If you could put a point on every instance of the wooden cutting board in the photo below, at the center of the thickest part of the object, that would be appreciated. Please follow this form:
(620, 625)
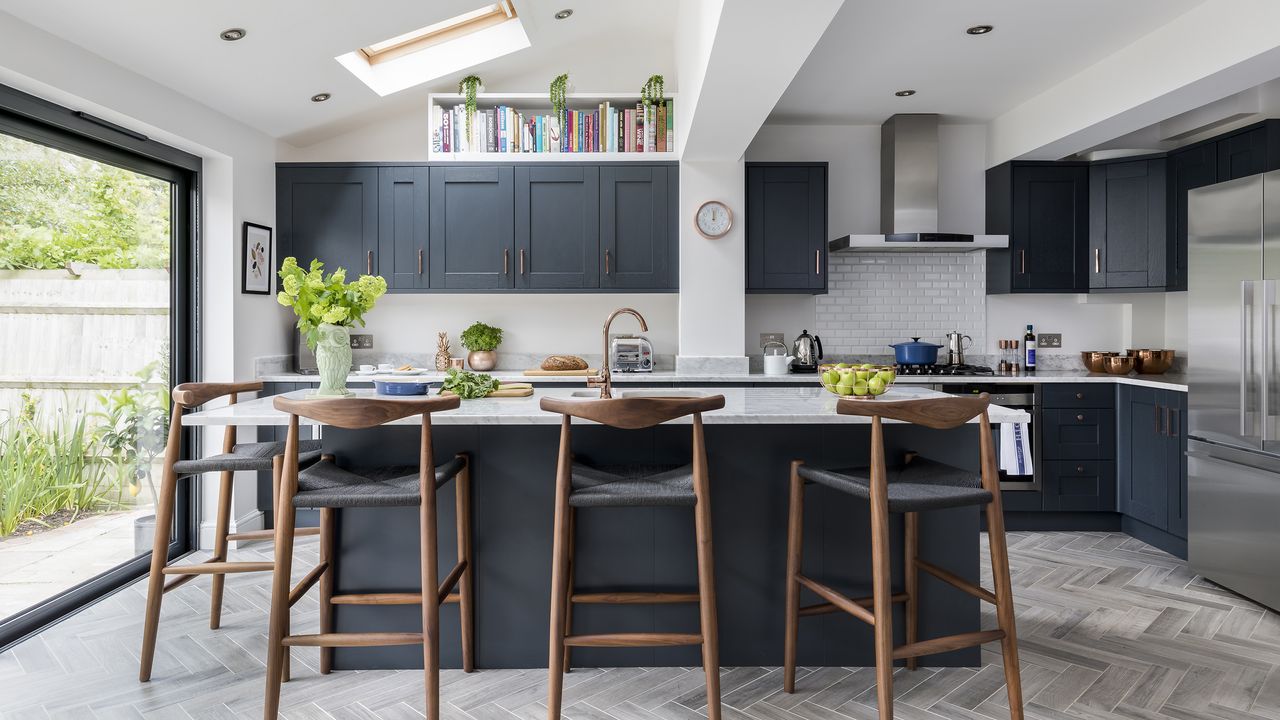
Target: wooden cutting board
(505, 390)
(561, 373)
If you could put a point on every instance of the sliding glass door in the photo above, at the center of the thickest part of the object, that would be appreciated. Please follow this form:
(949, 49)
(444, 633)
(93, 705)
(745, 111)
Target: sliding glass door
(96, 325)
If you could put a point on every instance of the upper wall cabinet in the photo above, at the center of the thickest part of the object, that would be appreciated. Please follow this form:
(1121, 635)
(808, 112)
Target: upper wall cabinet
(1188, 168)
(638, 205)
(472, 227)
(1129, 247)
(787, 228)
(1044, 209)
(557, 227)
(402, 227)
(329, 214)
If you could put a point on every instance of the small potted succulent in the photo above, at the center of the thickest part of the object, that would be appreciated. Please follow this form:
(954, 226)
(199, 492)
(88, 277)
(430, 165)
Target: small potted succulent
(481, 340)
(328, 307)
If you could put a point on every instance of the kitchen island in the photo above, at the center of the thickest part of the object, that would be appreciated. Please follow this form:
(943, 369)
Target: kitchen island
(750, 444)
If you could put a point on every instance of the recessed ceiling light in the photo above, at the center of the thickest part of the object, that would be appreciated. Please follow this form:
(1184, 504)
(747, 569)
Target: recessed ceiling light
(232, 34)
(320, 97)
(980, 29)
(564, 13)
(905, 93)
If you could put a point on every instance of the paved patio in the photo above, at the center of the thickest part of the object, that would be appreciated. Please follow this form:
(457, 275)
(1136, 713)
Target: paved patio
(34, 567)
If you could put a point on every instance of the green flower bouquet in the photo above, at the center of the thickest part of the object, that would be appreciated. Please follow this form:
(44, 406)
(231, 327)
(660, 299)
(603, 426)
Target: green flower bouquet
(328, 307)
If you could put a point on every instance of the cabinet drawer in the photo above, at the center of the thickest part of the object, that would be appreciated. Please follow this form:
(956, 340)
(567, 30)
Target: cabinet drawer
(1079, 485)
(1078, 395)
(1083, 434)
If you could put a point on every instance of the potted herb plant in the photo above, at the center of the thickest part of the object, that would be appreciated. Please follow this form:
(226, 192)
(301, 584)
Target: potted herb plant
(482, 340)
(327, 308)
(469, 86)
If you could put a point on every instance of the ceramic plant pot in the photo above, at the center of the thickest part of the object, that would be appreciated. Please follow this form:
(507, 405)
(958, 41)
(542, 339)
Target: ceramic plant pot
(482, 360)
(333, 360)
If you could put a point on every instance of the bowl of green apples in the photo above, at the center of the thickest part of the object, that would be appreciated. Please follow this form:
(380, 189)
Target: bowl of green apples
(858, 382)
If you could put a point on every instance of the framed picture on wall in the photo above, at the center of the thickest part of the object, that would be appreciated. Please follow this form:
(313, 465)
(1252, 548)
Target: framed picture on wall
(255, 277)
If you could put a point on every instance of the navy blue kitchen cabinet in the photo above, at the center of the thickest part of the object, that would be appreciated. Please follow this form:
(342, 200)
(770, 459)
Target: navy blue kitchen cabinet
(1250, 151)
(1189, 168)
(472, 227)
(638, 236)
(557, 227)
(787, 228)
(329, 214)
(1175, 433)
(1077, 447)
(1144, 455)
(1044, 209)
(403, 229)
(1129, 247)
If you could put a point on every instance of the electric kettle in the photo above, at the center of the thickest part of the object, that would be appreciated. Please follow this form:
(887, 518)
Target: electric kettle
(807, 351)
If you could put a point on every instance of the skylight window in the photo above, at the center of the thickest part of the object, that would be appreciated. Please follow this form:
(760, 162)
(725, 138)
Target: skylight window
(438, 49)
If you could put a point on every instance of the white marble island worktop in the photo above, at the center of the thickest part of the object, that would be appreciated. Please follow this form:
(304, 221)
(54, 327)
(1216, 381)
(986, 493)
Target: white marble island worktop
(743, 406)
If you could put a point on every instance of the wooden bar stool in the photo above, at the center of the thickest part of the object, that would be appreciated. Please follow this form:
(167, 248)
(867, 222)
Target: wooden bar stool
(580, 486)
(917, 486)
(327, 487)
(234, 457)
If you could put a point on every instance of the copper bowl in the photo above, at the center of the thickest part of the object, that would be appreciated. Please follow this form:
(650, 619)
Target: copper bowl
(1119, 364)
(1092, 359)
(1152, 362)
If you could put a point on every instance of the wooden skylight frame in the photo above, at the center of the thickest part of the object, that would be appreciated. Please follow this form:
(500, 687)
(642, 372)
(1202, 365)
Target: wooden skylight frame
(444, 31)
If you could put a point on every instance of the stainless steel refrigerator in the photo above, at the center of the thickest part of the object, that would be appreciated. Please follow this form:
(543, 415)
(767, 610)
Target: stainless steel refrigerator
(1233, 481)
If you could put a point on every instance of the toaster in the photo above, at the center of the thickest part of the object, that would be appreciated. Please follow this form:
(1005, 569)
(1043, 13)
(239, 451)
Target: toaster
(630, 353)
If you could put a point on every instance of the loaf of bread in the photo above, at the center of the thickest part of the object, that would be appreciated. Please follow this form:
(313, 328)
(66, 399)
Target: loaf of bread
(564, 362)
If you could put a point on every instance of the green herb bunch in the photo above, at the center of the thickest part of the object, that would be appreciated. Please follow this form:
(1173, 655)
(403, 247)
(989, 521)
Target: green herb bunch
(317, 298)
(481, 338)
(468, 385)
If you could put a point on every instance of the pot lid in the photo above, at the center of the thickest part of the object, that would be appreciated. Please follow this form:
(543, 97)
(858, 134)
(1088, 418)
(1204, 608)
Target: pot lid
(915, 342)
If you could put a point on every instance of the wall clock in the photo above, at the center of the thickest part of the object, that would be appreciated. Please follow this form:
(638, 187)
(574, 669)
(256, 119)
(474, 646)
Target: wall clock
(714, 219)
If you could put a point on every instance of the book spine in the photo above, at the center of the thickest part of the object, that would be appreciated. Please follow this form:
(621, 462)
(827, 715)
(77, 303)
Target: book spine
(501, 114)
(660, 144)
(639, 127)
(671, 127)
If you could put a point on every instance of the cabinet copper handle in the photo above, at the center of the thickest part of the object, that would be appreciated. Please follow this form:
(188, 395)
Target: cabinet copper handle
(1080, 418)
(1097, 260)
(1022, 260)
(1079, 396)
(606, 262)
(1079, 468)
(817, 262)
(368, 263)
(506, 261)
(1166, 420)
(521, 261)
(419, 261)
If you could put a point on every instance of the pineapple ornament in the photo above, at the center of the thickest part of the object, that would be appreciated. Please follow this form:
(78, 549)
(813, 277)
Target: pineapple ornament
(442, 351)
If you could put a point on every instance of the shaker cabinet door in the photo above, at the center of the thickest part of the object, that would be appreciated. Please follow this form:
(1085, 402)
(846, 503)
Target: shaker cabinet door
(1050, 224)
(1128, 245)
(1142, 457)
(472, 228)
(329, 214)
(787, 228)
(557, 227)
(635, 233)
(402, 227)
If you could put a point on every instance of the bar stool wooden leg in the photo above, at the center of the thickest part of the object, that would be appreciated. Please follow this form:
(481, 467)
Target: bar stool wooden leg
(328, 518)
(466, 584)
(911, 579)
(559, 577)
(1000, 571)
(430, 579)
(882, 603)
(160, 545)
(706, 572)
(222, 526)
(278, 626)
(568, 609)
(795, 540)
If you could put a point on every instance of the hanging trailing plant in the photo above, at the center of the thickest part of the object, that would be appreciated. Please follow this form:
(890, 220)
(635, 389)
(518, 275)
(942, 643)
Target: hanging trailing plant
(651, 92)
(558, 86)
(468, 86)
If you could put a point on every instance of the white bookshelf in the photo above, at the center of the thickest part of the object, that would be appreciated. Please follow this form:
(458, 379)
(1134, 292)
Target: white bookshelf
(540, 104)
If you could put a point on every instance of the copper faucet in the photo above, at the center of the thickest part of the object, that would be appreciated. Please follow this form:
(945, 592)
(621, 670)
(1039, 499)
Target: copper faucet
(603, 379)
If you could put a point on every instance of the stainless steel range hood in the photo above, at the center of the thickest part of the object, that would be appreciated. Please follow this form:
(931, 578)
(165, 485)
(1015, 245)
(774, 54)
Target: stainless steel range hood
(909, 195)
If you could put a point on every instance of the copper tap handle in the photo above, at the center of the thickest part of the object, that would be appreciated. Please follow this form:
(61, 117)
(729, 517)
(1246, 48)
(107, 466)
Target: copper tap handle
(368, 263)
(419, 261)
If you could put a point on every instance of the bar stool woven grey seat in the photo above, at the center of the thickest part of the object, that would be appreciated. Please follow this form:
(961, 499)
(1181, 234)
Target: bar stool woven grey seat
(579, 486)
(327, 487)
(233, 458)
(917, 486)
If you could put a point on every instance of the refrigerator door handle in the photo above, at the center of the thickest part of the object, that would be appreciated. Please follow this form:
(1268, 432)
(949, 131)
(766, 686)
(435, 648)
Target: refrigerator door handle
(1268, 357)
(1246, 354)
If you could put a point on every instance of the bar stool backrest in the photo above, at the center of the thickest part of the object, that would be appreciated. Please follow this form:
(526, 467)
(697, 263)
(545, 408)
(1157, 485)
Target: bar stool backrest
(190, 395)
(362, 413)
(633, 413)
(937, 413)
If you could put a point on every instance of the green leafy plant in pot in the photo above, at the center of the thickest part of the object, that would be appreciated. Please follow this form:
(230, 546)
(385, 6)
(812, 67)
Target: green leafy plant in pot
(328, 307)
(652, 90)
(559, 91)
(469, 86)
(482, 340)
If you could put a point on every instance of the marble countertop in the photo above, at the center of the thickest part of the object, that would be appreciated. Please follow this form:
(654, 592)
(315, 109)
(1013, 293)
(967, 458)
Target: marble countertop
(743, 406)
(1168, 381)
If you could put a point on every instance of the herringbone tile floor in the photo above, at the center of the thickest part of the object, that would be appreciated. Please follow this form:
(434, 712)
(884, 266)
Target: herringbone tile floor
(1109, 627)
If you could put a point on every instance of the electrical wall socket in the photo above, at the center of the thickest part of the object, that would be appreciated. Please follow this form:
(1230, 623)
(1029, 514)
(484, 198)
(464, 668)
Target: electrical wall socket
(362, 342)
(1049, 340)
(766, 338)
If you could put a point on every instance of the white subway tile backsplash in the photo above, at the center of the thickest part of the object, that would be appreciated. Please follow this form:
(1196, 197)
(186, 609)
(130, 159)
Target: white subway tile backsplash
(879, 298)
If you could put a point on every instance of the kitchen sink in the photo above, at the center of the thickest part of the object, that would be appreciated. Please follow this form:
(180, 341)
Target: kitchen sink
(642, 392)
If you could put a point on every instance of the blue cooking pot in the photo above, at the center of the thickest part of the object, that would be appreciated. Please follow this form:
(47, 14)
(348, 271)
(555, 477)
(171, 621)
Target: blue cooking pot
(915, 352)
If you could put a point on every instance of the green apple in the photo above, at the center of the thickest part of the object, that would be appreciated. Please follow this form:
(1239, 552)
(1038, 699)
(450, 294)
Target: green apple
(830, 377)
(842, 365)
(876, 386)
(888, 376)
(862, 374)
(844, 389)
(867, 366)
(860, 387)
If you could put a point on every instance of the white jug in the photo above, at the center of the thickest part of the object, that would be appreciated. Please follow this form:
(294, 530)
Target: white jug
(776, 364)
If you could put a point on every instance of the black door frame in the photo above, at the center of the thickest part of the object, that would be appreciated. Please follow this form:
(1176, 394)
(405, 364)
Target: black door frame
(36, 120)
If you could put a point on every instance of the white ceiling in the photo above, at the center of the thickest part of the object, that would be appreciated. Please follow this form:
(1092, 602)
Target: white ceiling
(873, 49)
(267, 79)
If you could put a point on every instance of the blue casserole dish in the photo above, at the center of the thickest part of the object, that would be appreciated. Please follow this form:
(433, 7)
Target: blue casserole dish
(402, 387)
